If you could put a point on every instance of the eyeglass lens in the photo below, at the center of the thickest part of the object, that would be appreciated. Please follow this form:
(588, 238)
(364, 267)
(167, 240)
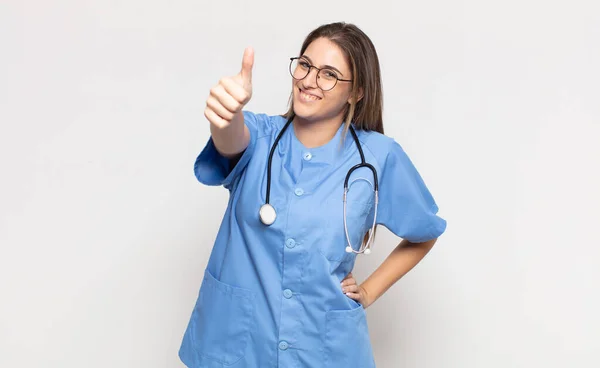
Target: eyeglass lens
(326, 78)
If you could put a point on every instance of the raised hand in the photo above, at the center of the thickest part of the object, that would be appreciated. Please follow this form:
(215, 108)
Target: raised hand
(231, 94)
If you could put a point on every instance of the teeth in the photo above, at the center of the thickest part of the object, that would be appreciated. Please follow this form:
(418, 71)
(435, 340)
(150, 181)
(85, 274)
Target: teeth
(306, 96)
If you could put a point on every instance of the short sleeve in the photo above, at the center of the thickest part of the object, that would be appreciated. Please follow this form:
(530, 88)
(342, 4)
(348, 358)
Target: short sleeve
(406, 207)
(212, 168)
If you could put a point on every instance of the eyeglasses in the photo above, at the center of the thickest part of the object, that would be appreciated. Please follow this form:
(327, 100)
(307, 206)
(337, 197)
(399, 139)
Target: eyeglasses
(327, 78)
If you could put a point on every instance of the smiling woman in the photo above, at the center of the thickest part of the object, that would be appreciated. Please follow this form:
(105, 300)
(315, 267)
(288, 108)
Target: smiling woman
(317, 97)
(278, 289)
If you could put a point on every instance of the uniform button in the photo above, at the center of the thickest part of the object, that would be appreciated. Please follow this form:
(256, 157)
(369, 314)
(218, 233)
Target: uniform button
(307, 156)
(290, 243)
(283, 345)
(287, 293)
(299, 191)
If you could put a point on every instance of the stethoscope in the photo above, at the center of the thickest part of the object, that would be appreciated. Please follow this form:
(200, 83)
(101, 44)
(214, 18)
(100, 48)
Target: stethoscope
(268, 214)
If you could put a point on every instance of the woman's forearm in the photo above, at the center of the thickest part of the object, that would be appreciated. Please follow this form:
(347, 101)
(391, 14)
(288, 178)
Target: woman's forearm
(401, 260)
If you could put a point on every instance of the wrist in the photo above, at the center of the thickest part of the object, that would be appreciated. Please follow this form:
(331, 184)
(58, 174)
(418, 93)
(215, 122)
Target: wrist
(366, 297)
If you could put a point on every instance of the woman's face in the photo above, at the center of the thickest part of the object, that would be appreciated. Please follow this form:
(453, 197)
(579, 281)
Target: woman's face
(311, 103)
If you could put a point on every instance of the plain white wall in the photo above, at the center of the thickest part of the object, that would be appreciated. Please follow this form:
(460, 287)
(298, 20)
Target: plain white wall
(105, 232)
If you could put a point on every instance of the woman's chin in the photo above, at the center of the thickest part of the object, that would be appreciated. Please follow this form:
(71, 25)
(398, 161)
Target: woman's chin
(303, 113)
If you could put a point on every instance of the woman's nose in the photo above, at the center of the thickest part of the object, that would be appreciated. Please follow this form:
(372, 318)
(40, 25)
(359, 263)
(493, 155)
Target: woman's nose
(310, 81)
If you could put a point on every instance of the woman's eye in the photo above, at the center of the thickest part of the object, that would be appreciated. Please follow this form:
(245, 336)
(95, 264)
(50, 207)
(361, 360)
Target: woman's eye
(330, 74)
(304, 64)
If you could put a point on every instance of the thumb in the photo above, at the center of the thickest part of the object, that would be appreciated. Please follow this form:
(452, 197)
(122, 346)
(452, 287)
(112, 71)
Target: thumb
(247, 64)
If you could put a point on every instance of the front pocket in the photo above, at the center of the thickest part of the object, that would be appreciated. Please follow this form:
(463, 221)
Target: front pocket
(223, 319)
(347, 342)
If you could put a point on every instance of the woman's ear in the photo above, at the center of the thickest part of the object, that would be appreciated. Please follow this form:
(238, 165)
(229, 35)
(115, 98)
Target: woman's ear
(359, 96)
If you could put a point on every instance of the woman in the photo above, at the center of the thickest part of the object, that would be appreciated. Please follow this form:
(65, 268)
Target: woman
(278, 289)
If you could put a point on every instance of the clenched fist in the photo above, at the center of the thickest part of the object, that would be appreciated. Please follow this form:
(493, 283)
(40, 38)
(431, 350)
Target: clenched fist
(231, 94)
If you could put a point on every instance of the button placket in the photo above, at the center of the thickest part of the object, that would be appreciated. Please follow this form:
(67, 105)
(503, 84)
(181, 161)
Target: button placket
(306, 167)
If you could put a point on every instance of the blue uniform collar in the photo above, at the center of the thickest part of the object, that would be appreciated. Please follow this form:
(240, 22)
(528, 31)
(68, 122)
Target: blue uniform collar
(327, 153)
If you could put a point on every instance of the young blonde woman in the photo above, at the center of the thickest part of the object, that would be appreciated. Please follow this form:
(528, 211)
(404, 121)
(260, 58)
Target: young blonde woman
(306, 191)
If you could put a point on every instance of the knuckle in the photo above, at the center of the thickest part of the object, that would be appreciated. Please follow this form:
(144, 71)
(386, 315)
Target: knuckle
(210, 106)
(233, 107)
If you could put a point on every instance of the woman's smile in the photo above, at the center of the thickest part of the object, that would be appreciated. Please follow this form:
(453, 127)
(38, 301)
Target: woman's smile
(307, 97)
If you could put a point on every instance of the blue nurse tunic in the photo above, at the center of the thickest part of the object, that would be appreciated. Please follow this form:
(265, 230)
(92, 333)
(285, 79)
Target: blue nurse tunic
(271, 295)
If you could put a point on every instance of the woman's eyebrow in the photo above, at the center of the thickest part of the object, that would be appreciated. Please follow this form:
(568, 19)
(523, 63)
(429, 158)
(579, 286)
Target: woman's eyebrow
(324, 66)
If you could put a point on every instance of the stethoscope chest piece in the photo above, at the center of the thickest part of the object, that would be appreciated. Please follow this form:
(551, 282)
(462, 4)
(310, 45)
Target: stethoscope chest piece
(267, 214)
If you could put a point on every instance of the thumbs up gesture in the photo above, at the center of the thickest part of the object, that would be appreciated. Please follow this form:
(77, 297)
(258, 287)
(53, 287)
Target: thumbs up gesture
(231, 94)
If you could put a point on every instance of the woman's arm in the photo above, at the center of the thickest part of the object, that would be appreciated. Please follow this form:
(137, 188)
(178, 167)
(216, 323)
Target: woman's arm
(401, 260)
(224, 110)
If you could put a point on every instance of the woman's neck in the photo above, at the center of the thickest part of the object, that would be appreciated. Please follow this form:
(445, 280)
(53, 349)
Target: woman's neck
(315, 134)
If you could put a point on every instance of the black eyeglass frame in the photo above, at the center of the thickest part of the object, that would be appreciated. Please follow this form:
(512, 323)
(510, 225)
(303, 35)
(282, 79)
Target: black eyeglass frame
(318, 71)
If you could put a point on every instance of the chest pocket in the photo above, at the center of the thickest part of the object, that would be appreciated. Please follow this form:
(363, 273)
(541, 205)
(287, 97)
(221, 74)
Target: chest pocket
(359, 217)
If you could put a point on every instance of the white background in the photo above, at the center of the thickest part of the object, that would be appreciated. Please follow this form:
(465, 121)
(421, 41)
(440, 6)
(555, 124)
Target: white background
(105, 232)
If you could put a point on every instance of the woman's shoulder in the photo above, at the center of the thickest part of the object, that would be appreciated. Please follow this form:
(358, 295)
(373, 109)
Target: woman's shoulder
(262, 122)
(380, 145)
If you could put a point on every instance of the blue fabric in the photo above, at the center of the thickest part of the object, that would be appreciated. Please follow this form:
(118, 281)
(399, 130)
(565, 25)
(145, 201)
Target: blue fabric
(271, 295)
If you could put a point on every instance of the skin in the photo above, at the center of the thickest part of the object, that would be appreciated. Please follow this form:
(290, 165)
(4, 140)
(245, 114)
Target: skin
(224, 109)
(402, 259)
